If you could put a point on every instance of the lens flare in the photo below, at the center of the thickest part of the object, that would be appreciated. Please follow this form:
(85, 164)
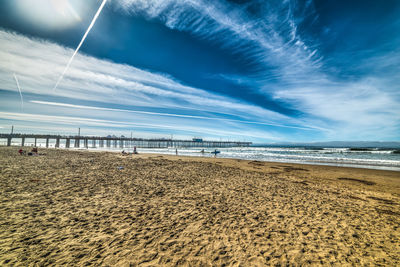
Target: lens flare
(50, 14)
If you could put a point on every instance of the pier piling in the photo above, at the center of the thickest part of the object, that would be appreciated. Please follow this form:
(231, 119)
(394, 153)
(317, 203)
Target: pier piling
(86, 141)
(77, 142)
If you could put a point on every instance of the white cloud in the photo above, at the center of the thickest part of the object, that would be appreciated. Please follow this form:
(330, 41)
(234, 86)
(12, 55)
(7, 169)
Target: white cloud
(361, 110)
(38, 64)
(89, 122)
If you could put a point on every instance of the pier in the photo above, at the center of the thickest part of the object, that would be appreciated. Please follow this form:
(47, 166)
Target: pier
(78, 141)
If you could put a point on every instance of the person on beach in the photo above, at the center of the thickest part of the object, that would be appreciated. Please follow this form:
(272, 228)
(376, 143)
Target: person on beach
(215, 152)
(134, 150)
(176, 151)
(21, 151)
(34, 150)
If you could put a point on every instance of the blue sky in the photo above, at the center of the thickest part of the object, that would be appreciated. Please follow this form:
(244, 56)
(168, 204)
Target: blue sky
(263, 71)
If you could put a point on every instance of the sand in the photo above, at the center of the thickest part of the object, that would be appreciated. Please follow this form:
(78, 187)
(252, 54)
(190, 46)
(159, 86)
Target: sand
(97, 208)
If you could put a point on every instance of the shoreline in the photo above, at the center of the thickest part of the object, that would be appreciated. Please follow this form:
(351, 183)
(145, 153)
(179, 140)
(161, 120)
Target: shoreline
(321, 163)
(328, 164)
(198, 155)
(80, 207)
(361, 165)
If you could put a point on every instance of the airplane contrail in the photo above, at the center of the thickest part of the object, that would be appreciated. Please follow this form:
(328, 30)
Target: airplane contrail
(20, 93)
(80, 44)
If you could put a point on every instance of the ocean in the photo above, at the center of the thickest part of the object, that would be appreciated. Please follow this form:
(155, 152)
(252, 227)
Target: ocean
(385, 159)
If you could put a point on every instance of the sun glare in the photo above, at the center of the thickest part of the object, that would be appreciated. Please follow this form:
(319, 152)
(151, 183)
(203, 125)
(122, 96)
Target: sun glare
(50, 14)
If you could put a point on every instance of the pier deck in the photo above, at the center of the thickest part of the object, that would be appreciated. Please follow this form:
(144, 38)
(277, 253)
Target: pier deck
(121, 142)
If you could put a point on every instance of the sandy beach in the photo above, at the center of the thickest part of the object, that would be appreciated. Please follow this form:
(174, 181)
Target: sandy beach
(101, 208)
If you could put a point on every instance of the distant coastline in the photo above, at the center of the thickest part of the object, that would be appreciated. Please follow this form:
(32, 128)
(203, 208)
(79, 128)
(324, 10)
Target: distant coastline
(337, 144)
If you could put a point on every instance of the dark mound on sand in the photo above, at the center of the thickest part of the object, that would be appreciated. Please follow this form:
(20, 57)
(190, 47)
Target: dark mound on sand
(357, 180)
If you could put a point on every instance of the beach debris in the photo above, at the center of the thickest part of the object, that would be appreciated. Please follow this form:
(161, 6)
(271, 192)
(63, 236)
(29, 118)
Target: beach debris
(120, 167)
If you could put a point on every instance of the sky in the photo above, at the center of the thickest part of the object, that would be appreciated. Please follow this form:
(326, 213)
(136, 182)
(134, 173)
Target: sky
(261, 71)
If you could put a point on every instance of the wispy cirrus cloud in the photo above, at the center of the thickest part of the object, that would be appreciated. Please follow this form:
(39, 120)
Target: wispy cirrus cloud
(269, 37)
(167, 114)
(185, 130)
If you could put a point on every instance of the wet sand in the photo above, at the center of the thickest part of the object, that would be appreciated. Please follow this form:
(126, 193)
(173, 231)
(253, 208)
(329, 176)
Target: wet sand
(98, 208)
